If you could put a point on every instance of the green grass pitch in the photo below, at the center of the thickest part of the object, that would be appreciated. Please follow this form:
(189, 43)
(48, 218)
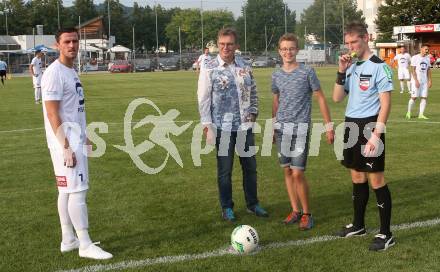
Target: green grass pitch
(176, 212)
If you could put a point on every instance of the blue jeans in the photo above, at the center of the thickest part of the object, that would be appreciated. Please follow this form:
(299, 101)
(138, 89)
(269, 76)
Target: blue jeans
(225, 161)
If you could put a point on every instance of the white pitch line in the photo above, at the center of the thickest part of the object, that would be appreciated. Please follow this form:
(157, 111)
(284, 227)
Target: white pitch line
(226, 251)
(186, 121)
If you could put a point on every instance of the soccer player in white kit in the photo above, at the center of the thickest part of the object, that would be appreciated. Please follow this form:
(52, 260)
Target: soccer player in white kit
(65, 124)
(403, 60)
(36, 70)
(203, 59)
(421, 81)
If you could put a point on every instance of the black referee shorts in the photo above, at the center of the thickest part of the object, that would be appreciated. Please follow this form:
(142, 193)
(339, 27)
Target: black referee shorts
(354, 157)
(2, 73)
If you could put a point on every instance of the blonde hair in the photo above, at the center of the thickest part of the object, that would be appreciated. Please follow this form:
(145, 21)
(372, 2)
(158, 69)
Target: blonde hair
(288, 37)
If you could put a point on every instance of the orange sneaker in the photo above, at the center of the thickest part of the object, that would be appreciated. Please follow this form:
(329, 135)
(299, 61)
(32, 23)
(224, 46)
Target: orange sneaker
(306, 222)
(292, 218)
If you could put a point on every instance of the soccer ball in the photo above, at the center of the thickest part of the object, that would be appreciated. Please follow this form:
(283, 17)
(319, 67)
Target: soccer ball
(244, 239)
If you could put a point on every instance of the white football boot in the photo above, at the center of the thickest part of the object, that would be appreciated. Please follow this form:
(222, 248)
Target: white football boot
(69, 247)
(94, 252)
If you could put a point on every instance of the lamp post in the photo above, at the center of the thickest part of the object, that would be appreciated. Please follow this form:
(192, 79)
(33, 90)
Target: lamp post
(5, 12)
(58, 12)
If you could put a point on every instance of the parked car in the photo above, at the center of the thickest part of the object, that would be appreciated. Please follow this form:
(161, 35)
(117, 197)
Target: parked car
(247, 60)
(262, 61)
(143, 65)
(120, 66)
(169, 64)
(187, 63)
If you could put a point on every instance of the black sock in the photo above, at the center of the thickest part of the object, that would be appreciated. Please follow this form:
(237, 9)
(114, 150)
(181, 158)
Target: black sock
(383, 197)
(360, 200)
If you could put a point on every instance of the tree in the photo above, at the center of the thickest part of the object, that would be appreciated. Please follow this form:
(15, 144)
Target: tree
(313, 18)
(164, 17)
(213, 21)
(84, 8)
(18, 19)
(44, 12)
(190, 27)
(119, 22)
(190, 24)
(261, 14)
(405, 12)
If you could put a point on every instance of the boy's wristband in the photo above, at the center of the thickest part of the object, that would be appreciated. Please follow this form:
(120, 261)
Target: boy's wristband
(340, 78)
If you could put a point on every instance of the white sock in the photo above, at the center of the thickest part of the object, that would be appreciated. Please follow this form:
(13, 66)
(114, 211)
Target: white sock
(36, 94)
(39, 93)
(410, 104)
(84, 238)
(68, 236)
(78, 214)
(408, 84)
(402, 86)
(422, 106)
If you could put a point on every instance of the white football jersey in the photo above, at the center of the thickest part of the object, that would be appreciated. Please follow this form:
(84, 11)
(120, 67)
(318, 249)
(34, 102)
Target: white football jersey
(203, 60)
(62, 83)
(36, 66)
(421, 65)
(403, 60)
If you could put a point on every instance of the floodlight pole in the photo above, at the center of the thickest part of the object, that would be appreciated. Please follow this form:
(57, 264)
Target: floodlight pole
(245, 29)
(325, 51)
(58, 11)
(157, 37)
(180, 50)
(7, 34)
(157, 34)
(109, 21)
(201, 19)
(265, 39)
(343, 24)
(79, 49)
(133, 55)
(285, 18)
(33, 34)
(85, 49)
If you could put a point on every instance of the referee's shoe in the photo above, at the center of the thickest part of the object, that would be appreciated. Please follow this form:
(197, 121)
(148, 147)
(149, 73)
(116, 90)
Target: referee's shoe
(382, 242)
(351, 230)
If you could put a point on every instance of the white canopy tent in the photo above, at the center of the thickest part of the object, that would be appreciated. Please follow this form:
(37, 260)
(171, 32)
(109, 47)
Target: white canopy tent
(119, 52)
(119, 49)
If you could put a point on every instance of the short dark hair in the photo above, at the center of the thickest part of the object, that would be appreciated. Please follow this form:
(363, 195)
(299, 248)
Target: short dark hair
(356, 27)
(288, 37)
(65, 30)
(228, 32)
(424, 45)
(37, 51)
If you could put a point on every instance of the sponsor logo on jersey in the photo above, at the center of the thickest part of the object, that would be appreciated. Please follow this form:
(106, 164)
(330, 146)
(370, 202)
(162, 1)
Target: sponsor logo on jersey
(364, 82)
(61, 181)
(80, 92)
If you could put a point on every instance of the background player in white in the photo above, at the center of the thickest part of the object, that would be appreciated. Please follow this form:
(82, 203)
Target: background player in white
(3, 67)
(65, 123)
(421, 81)
(36, 70)
(203, 59)
(403, 60)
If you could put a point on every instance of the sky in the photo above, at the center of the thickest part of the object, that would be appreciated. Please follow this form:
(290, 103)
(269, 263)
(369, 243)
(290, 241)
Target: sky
(234, 6)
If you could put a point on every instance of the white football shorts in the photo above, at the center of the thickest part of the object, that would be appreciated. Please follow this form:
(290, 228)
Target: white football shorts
(403, 73)
(422, 91)
(37, 81)
(70, 180)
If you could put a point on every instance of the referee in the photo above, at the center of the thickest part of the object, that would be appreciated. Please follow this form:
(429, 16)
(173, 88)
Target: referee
(368, 84)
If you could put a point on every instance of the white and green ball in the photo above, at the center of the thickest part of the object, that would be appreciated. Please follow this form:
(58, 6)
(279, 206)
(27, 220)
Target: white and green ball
(244, 239)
